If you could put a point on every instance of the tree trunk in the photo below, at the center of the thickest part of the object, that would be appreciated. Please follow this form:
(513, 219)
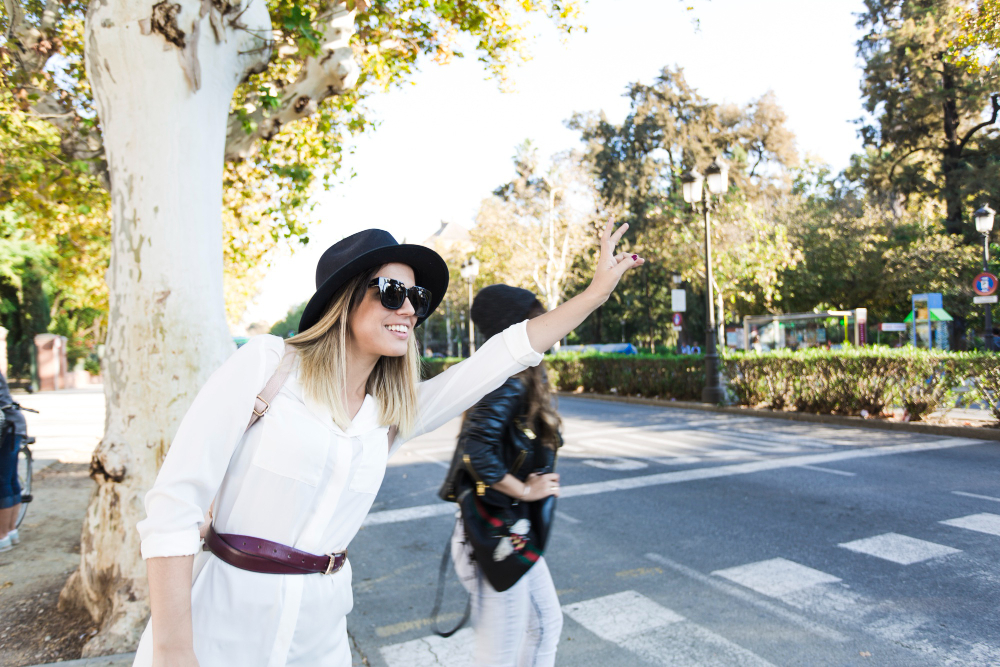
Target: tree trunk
(163, 77)
(951, 155)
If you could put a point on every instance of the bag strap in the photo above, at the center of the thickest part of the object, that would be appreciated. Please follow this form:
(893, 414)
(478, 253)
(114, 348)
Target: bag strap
(263, 401)
(439, 598)
(260, 407)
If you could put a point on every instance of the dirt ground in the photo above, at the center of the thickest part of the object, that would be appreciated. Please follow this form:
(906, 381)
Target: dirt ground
(32, 630)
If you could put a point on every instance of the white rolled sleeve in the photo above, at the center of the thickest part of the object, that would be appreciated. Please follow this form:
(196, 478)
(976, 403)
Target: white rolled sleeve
(457, 389)
(201, 450)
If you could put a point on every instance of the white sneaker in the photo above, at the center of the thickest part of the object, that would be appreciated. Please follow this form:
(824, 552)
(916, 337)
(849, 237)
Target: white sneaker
(15, 538)
(6, 544)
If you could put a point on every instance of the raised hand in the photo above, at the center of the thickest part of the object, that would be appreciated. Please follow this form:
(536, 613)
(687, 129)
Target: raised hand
(611, 267)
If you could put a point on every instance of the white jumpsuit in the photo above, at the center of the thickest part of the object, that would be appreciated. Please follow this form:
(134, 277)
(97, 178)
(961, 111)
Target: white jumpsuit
(294, 478)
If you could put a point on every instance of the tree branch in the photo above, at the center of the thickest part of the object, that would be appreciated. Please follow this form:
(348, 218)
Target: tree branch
(332, 72)
(995, 99)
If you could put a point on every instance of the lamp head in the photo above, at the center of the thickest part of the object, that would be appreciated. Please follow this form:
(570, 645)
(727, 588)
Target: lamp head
(717, 176)
(984, 219)
(691, 185)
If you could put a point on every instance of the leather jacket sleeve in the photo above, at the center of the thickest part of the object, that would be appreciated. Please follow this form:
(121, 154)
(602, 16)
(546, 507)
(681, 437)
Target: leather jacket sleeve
(481, 438)
(483, 431)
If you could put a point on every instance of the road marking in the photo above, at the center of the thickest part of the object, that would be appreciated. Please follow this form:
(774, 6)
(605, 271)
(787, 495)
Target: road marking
(776, 577)
(830, 470)
(406, 626)
(981, 523)
(566, 517)
(657, 634)
(432, 651)
(749, 598)
(899, 548)
(677, 476)
(976, 495)
(615, 463)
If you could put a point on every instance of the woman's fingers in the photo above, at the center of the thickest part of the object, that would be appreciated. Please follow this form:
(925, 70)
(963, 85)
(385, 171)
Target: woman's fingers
(617, 236)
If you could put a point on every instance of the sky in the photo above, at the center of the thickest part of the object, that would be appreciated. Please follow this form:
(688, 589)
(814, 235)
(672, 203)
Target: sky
(444, 143)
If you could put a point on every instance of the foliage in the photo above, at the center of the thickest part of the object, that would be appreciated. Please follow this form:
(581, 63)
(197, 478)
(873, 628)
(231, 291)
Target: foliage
(977, 44)
(931, 133)
(25, 269)
(679, 377)
(51, 152)
(637, 166)
(289, 326)
(531, 230)
(853, 380)
(856, 254)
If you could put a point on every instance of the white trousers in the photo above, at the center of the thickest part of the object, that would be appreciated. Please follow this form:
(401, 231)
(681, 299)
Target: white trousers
(519, 627)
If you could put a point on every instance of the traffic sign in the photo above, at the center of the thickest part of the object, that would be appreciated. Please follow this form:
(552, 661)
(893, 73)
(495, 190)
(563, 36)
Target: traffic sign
(892, 326)
(678, 300)
(985, 284)
(678, 319)
(985, 299)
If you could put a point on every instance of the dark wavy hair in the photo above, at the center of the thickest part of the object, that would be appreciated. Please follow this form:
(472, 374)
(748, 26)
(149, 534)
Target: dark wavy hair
(541, 416)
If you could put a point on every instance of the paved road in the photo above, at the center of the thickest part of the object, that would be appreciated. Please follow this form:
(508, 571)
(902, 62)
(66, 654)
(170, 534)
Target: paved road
(690, 538)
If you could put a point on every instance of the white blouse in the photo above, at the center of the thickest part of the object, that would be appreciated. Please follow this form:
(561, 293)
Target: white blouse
(294, 478)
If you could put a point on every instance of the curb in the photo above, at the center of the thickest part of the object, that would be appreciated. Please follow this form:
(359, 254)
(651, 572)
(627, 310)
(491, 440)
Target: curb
(119, 660)
(974, 432)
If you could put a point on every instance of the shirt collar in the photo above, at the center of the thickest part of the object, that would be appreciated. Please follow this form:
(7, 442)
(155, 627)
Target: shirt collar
(366, 420)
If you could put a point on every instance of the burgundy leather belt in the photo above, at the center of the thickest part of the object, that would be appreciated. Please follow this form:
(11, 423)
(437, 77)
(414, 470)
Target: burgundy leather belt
(257, 555)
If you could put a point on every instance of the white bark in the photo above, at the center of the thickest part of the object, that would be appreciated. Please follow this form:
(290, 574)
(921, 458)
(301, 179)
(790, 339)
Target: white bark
(163, 76)
(330, 73)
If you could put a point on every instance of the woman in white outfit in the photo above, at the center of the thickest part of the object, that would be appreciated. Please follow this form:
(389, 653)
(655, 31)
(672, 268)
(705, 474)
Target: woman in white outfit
(304, 476)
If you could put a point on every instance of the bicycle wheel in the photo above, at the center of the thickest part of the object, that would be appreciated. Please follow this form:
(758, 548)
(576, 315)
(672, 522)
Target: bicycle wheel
(24, 477)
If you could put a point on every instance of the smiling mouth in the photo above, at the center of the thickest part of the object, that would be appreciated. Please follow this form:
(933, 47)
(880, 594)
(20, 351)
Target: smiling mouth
(398, 329)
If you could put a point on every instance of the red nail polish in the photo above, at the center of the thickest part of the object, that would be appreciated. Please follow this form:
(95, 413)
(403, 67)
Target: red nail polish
(635, 257)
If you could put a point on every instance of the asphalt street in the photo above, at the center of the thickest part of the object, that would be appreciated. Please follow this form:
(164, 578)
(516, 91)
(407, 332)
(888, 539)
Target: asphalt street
(692, 538)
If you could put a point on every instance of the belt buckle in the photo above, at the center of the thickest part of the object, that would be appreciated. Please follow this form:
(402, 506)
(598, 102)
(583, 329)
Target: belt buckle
(333, 559)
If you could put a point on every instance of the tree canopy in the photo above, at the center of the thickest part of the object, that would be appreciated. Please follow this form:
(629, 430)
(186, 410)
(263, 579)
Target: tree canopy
(289, 129)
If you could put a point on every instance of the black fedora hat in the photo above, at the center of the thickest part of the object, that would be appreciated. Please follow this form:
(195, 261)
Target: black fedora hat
(369, 249)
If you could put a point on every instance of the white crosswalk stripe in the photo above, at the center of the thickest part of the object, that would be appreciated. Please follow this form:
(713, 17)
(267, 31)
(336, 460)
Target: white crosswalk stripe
(432, 651)
(629, 620)
(982, 523)
(825, 596)
(776, 577)
(657, 634)
(900, 549)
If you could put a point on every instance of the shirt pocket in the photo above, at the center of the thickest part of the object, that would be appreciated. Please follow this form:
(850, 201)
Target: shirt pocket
(295, 451)
(374, 455)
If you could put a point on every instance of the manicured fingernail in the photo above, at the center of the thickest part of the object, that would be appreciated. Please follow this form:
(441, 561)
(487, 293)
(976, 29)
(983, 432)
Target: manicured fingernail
(635, 257)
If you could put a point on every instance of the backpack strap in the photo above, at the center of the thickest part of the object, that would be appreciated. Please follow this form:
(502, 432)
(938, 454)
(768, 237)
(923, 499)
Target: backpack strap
(263, 401)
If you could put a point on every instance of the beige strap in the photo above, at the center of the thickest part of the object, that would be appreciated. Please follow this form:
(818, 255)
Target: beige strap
(263, 401)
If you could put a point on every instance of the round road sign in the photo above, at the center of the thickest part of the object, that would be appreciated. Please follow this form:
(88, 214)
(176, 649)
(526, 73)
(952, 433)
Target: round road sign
(985, 284)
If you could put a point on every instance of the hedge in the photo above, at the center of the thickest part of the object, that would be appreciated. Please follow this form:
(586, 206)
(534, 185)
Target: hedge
(848, 381)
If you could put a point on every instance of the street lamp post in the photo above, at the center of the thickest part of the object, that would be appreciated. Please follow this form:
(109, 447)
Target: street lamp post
(470, 270)
(694, 186)
(984, 225)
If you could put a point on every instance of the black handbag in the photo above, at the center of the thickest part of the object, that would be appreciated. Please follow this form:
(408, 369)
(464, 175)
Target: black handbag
(507, 536)
(506, 541)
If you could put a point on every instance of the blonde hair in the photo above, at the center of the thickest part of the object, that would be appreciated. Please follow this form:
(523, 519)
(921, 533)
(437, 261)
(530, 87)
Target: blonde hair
(322, 350)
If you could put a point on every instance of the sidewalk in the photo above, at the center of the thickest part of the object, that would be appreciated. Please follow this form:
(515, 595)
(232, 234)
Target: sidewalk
(69, 423)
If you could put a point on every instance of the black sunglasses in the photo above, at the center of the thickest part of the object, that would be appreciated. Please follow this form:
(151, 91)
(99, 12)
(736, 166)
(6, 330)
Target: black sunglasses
(392, 294)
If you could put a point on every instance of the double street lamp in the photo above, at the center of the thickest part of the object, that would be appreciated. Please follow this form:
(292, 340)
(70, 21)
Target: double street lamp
(694, 187)
(469, 271)
(984, 225)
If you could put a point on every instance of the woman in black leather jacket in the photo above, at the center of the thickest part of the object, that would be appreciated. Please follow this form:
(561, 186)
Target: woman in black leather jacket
(507, 451)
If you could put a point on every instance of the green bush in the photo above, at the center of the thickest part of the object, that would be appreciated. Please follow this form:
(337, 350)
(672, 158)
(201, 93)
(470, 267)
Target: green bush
(679, 377)
(851, 380)
(848, 381)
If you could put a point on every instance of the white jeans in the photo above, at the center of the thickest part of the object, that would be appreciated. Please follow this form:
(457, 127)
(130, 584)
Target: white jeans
(519, 627)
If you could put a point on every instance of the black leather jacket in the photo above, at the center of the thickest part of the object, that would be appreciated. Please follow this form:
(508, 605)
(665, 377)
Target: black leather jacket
(495, 441)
